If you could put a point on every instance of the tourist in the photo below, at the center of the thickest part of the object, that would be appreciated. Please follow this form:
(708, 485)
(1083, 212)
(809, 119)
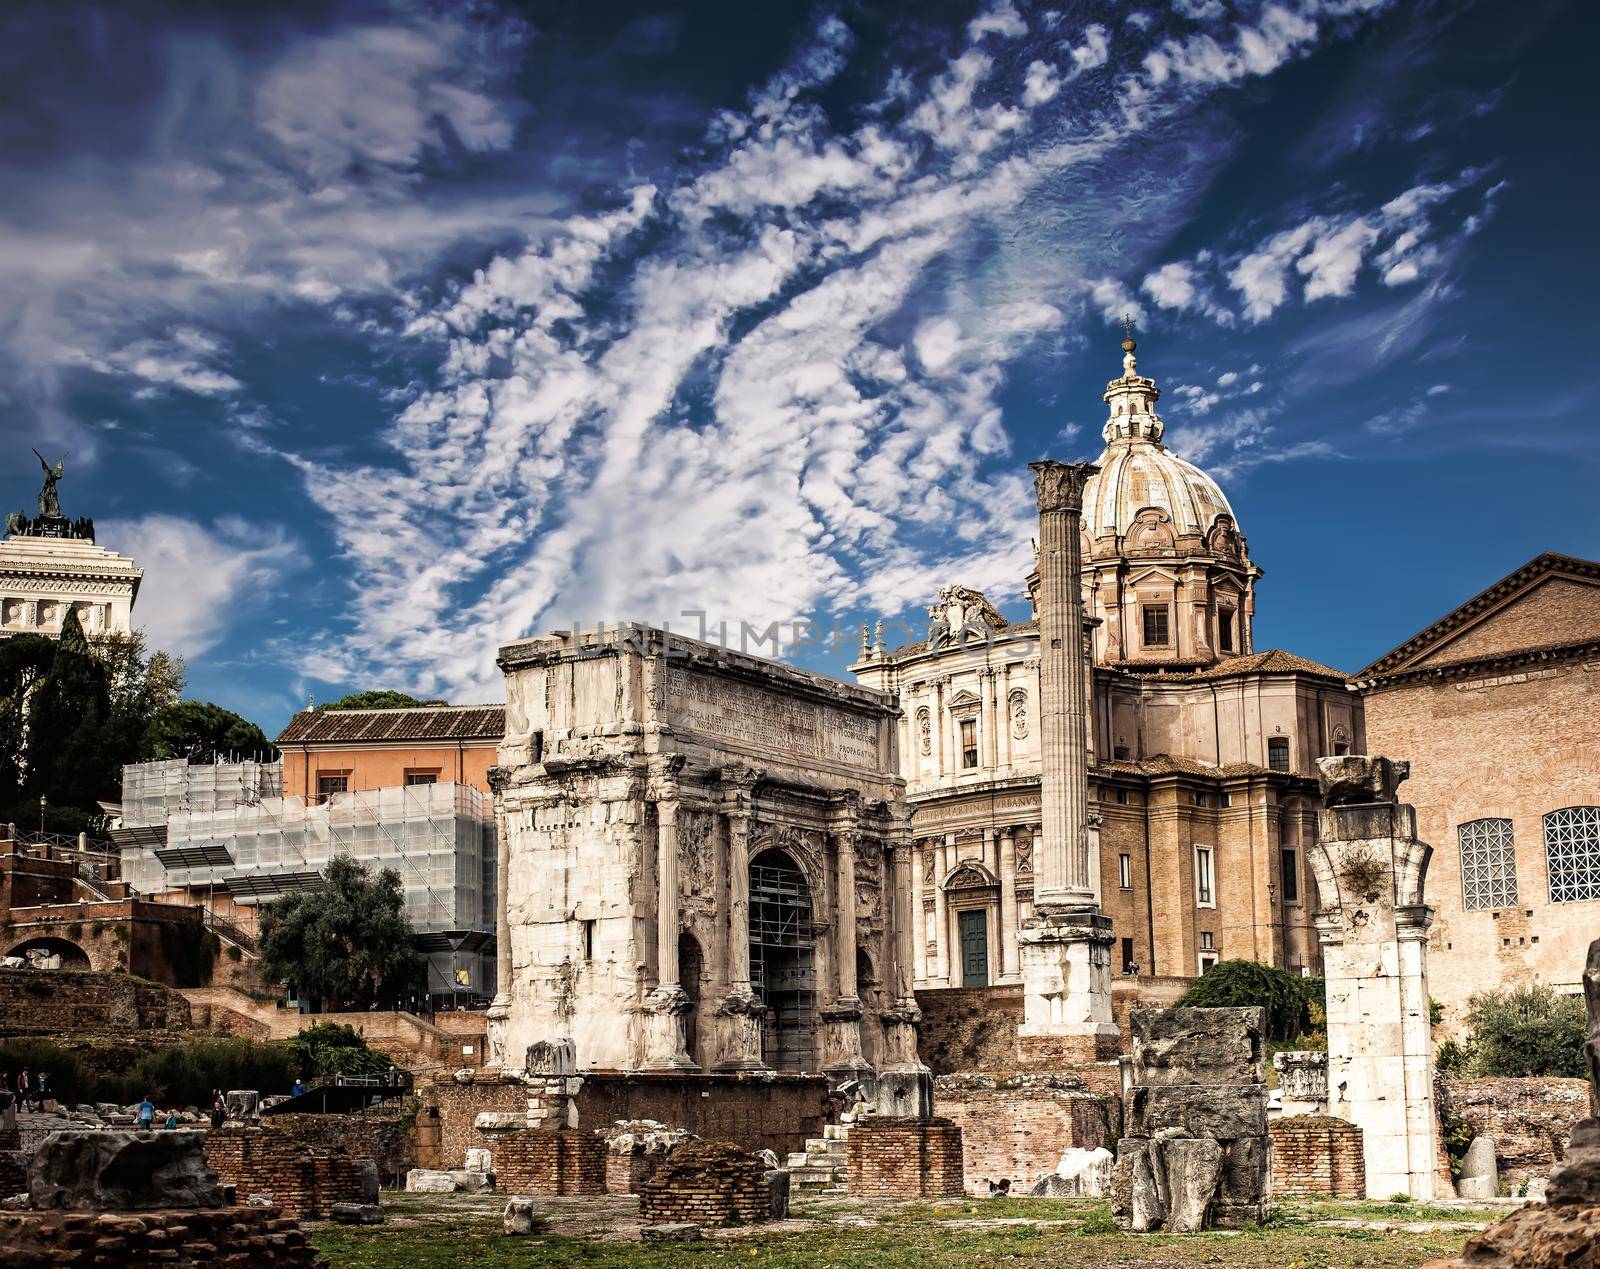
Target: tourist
(24, 1090)
(299, 1087)
(42, 1092)
(147, 1112)
(172, 1120)
(219, 1110)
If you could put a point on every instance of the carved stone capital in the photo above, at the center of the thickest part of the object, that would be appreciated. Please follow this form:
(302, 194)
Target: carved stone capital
(1059, 486)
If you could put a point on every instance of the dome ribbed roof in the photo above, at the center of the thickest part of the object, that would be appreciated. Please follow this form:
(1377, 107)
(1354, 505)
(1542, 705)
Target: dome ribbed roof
(1137, 474)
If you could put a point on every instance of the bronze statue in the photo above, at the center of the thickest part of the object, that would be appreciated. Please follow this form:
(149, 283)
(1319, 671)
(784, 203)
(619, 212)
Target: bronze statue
(49, 503)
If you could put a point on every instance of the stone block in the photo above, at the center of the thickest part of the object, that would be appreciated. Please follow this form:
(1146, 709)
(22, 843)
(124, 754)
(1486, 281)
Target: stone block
(467, 1180)
(778, 1189)
(1480, 1177)
(429, 1181)
(479, 1160)
(242, 1103)
(369, 1180)
(1245, 1167)
(520, 1218)
(1079, 1174)
(356, 1213)
(500, 1121)
(552, 1057)
(671, 1232)
(1192, 1167)
(1197, 1046)
(1222, 1112)
(122, 1171)
(905, 1093)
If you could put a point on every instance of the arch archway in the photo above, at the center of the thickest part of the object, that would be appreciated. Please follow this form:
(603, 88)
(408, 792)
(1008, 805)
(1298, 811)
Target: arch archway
(691, 966)
(45, 952)
(782, 960)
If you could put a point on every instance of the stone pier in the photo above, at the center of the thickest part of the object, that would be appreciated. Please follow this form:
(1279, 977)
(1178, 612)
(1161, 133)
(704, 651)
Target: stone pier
(1370, 870)
(1065, 946)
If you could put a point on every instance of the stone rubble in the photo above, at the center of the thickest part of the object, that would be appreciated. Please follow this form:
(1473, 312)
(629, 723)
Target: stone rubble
(1480, 1178)
(1195, 1149)
(1080, 1174)
(520, 1218)
(102, 1171)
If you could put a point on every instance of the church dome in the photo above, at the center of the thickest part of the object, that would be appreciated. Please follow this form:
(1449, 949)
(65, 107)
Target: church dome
(1137, 472)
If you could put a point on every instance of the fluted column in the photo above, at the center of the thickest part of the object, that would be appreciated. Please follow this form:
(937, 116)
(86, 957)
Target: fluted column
(741, 1009)
(667, 1004)
(500, 1007)
(1008, 902)
(1062, 857)
(843, 1017)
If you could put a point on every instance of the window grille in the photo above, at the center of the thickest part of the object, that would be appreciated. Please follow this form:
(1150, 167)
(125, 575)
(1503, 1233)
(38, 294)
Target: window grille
(1278, 753)
(1155, 626)
(1488, 864)
(1572, 850)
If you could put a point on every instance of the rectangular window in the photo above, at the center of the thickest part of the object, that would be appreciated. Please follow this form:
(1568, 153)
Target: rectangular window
(1206, 960)
(1125, 871)
(1155, 625)
(969, 742)
(1128, 966)
(1201, 799)
(420, 776)
(588, 940)
(1204, 879)
(1289, 874)
(1122, 797)
(1572, 852)
(330, 783)
(1225, 629)
(1208, 941)
(1278, 753)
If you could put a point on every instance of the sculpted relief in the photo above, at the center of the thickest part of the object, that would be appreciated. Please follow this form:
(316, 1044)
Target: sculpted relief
(925, 730)
(1018, 702)
(697, 855)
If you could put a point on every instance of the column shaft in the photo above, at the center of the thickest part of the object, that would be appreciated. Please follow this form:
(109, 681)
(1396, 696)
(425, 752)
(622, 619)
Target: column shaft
(845, 848)
(738, 901)
(667, 893)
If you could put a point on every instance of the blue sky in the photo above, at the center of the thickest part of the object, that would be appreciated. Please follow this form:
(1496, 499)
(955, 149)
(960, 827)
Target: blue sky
(383, 333)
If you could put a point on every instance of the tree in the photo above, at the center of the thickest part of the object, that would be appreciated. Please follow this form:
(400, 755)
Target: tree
(71, 757)
(1531, 1030)
(25, 659)
(1287, 999)
(203, 732)
(347, 945)
(329, 1048)
(377, 698)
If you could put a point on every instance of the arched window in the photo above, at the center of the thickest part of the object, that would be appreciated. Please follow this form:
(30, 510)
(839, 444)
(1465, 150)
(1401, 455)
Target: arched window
(1572, 851)
(1488, 864)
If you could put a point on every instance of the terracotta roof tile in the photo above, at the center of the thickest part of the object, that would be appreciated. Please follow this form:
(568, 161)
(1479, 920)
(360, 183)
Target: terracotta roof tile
(370, 726)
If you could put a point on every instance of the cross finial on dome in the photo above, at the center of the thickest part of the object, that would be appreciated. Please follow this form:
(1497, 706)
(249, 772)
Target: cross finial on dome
(1127, 334)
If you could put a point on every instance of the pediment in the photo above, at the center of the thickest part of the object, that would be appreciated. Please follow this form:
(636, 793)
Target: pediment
(964, 698)
(1551, 601)
(1153, 573)
(969, 874)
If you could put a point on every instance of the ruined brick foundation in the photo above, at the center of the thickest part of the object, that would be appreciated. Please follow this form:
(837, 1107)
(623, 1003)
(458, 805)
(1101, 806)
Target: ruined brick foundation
(1317, 1155)
(532, 1162)
(302, 1180)
(1017, 1127)
(260, 1237)
(706, 1183)
(905, 1159)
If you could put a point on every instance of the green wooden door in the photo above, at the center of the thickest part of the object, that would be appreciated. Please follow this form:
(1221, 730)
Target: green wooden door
(974, 927)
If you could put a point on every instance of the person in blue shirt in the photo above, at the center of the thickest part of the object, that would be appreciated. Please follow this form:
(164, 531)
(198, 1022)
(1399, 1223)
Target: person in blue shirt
(147, 1112)
(299, 1087)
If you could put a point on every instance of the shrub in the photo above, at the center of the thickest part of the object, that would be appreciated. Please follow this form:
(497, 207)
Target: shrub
(186, 1074)
(1458, 1135)
(1453, 1059)
(1531, 1030)
(1233, 984)
(70, 1080)
(330, 1048)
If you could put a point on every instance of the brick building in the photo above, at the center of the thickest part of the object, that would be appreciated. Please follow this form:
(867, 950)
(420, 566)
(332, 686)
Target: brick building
(1497, 707)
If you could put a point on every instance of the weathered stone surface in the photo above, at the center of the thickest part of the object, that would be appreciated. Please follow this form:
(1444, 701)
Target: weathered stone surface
(1534, 1237)
(467, 1180)
(242, 1103)
(1576, 1179)
(1080, 1174)
(671, 1232)
(1480, 1178)
(499, 1121)
(1360, 779)
(905, 1094)
(1193, 1167)
(356, 1213)
(778, 1187)
(369, 1180)
(1244, 1163)
(1138, 1196)
(122, 1171)
(520, 1218)
(552, 1057)
(1198, 1046)
(1222, 1112)
(429, 1181)
(1303, 1080)
(479, 1160)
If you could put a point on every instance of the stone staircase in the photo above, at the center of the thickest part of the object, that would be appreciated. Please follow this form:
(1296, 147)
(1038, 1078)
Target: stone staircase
(820, 1168)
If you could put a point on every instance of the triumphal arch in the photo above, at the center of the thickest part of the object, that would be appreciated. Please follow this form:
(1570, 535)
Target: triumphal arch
(704, 862)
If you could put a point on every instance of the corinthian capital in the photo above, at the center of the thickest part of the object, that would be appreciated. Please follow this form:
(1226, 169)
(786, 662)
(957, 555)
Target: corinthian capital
(1059, 486)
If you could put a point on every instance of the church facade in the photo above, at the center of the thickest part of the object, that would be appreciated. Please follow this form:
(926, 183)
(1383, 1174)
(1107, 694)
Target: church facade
(1202, 749)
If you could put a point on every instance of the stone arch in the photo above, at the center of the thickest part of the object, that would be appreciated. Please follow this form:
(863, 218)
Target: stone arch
(691, 971)
(783, 958)
(48, 946)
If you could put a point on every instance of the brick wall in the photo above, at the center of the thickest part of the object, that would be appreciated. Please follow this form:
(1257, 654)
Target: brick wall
(1017, 1126)
(44, 1002)
(770, 1112)
(548, 1163)
(1529, 1119)
(625, 1173)
(298, 1178)
(1317, 1155)
(904, 1158)
(389, 1140)
(253, 1236)
(707, 1183)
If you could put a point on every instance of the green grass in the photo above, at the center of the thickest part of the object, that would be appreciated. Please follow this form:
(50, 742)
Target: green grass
(444, 1232)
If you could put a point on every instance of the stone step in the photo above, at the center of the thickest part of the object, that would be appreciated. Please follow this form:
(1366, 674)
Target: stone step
(796, 1160)
(811, 1176)
(834, 1132)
